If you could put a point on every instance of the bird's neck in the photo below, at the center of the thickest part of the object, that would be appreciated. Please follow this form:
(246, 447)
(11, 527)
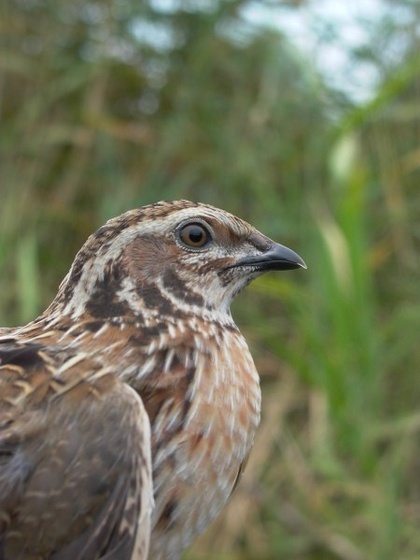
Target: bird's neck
(128, 340)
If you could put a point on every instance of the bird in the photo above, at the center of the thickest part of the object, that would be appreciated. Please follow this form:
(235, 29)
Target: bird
(128, 408)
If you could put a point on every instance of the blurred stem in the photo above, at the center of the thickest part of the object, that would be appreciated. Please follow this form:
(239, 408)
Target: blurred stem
(28, 278)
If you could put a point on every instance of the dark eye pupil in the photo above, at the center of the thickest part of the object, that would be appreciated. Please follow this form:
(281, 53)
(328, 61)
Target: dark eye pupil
(194, 235)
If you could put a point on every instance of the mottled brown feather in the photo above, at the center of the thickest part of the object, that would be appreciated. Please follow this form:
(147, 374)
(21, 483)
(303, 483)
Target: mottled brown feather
(73, 454)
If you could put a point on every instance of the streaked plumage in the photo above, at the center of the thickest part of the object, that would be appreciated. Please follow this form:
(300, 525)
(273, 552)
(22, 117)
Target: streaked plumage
(128, 408)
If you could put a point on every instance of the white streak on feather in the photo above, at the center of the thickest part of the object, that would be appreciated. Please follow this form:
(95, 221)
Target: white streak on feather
(168, 360)
(147, 367)
(102, 330)
(172, 331)
(73, 361)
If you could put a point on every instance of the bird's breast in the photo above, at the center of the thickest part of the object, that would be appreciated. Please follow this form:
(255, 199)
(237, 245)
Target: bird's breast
(203, 426)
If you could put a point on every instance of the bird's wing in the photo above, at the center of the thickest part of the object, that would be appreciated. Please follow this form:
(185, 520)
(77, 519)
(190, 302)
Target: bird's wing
(75, 466)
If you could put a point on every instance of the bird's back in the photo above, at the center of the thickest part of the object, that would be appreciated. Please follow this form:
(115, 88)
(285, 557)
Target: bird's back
(75, 474)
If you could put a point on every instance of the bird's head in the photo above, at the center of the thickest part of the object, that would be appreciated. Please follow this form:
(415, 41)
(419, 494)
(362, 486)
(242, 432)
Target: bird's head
(170, 257)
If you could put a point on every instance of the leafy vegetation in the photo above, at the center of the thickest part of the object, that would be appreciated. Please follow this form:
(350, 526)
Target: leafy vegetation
(109, 105)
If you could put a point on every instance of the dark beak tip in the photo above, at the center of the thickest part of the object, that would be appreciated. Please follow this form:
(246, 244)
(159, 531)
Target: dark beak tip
(281, 257)
(301, 264)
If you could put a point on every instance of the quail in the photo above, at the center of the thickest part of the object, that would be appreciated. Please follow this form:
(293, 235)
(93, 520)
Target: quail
(129, 407)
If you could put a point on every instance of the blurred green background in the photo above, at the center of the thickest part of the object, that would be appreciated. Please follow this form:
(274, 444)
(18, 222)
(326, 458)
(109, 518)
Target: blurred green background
(108, 105)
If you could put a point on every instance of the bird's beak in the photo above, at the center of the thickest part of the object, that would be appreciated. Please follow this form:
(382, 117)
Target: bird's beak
(276, 257)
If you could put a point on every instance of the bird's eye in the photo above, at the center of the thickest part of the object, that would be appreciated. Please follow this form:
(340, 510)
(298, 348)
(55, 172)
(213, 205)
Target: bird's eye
(194, 235)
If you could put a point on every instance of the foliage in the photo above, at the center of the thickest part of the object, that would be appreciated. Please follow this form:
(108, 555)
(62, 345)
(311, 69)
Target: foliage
(109, 105)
